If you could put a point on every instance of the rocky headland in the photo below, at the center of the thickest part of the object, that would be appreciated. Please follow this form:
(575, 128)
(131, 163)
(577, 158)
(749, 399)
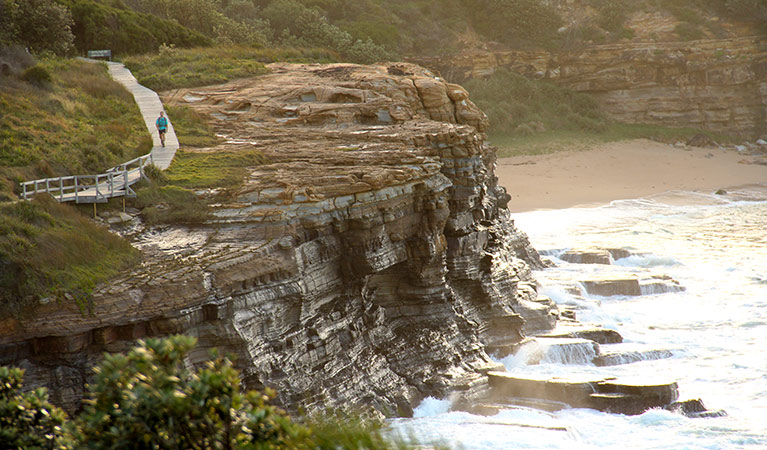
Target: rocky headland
(371, 260)
(713, 84)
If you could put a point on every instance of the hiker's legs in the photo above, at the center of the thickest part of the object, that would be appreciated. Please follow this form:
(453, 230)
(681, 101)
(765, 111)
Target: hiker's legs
(162, 138)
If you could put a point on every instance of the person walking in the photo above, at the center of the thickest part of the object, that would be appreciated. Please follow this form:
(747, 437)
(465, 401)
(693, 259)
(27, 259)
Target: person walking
(162, 126)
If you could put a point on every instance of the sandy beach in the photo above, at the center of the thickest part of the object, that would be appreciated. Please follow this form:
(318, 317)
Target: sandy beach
(621, 170)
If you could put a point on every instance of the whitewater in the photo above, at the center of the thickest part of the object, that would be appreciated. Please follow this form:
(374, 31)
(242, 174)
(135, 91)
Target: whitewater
(715, 246)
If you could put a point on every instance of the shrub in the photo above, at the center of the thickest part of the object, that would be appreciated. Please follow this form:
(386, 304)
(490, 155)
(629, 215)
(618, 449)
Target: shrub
(512, 102)
(38, 76)
(41, 25)
(297, 25)
(515, 22)
(150, 399)
(99, 26)
(27, 419)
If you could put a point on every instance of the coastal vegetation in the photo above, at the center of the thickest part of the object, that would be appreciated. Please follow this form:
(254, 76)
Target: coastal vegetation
(149, 398)
(59, 117)
(537, 116)
(53, 253)
(173, 68)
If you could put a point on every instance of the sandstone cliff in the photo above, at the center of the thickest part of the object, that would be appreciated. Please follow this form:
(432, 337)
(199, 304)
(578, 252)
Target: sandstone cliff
(371, 261)
(717, 84)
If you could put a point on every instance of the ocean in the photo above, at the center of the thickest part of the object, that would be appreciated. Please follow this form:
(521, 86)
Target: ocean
(715, 247)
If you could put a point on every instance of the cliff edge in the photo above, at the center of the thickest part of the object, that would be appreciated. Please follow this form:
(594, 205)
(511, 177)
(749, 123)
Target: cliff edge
(370, 262)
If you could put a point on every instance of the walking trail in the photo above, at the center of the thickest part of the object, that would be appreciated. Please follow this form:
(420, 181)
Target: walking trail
(115, 182)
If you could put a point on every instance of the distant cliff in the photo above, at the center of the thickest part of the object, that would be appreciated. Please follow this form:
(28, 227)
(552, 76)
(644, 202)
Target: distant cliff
(717, 84)
(371, 262)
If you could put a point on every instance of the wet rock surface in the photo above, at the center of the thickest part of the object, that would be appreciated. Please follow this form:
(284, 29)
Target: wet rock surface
(371, 260)
(619, 396)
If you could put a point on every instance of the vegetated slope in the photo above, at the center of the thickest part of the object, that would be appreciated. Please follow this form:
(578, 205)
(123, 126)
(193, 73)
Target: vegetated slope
(77, 121)
(59, 117)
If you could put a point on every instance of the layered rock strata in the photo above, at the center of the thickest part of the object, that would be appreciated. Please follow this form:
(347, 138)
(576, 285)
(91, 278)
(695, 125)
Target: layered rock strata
(718, 84)
(370, 261)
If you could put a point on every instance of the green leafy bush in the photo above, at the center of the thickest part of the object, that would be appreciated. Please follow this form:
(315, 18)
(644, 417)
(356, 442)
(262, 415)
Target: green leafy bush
(512, 101)
(40, 25)
(27, 419)
(296, 25)
(101, 26)
(38, 76)
(515, 22)
(150, 399)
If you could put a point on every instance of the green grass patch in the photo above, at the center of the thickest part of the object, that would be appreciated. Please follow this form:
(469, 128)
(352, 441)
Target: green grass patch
(173, 68)
(517, 104)
(171, 205)
(79, 122)
(171, 198)
(223, 169)
(191, 127)
(578, 140)
(48, 250)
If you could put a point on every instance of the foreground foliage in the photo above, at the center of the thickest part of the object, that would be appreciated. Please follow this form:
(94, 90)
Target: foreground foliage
(149, 399)
(27, 419)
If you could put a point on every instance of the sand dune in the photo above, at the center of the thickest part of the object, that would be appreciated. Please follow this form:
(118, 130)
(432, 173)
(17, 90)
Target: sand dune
(621, 170)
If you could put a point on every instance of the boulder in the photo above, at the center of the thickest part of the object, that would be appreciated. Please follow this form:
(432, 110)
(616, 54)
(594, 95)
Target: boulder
(594, 333)
(587, 257)
(618, 354)
(701, 140)
(608, 287)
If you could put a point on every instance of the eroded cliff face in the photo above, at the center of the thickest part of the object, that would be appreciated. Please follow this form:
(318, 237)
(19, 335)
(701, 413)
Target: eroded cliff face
(718, 84)
(370, 262)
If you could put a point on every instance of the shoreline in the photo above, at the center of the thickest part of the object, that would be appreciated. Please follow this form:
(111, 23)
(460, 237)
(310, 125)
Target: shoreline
(621, 171)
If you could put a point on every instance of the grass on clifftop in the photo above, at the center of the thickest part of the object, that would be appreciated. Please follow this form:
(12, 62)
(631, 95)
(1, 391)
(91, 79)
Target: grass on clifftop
(48, 250)
(77, 120)
(171, 198)
(173, 68)
(59, 117)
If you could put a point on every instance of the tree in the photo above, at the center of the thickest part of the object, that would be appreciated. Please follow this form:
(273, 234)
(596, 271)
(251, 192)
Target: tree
(41, 25)
(149, 399)
(27, 419)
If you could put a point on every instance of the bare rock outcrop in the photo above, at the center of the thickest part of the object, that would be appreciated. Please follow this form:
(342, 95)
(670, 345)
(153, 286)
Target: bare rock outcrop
(370, 261)
(713, 84)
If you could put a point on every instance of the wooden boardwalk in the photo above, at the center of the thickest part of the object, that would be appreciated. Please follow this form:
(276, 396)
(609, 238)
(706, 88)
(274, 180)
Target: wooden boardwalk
(117, 181)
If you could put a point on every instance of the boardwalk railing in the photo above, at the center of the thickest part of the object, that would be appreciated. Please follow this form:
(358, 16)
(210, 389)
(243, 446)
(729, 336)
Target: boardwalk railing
(115, 182)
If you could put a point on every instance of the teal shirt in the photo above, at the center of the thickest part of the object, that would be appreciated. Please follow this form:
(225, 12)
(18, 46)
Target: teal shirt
(162, 123)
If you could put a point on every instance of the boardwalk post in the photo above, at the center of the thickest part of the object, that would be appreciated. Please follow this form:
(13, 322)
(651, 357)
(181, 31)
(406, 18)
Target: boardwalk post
(94, 210)
(76, 189)
(24, 188)
(61, 189)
